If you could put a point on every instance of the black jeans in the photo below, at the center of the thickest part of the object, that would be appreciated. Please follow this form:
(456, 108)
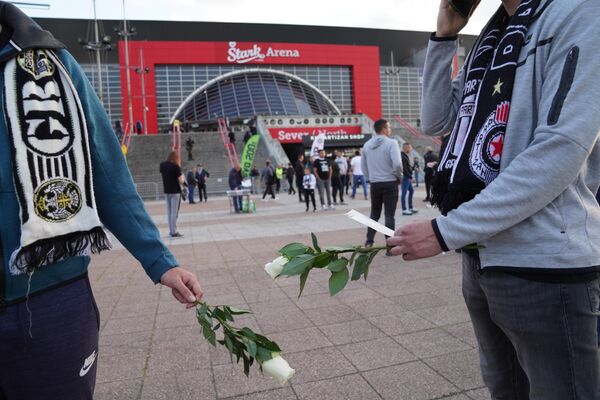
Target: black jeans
(336, 186)
(428, 179)
(268, 190)
(383, 194)
(309, 195)
(291, 189)
(299, 179)
(202, 191)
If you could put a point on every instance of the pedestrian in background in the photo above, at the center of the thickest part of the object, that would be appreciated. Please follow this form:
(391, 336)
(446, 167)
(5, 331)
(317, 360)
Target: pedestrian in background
(299, 169)
(235, 183)
(382, 168)
(309, 183)
(342, 163)
(189, 146)
(430, 160)
(201, 176)
(172, 178)
(323, 171)
(416, 170)
(267, 176)
(278, 177)
(191, 183)
(357, 175)
(336, 184)
(255, 179)
(407, 177)
(289, 175)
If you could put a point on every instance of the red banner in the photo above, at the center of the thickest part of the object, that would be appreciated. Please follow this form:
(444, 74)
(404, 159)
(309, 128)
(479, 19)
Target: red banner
(295, 135)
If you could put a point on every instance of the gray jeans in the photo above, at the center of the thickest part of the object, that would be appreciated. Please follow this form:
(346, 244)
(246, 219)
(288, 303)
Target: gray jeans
(173, 202)
(537, 341)
(321, 183)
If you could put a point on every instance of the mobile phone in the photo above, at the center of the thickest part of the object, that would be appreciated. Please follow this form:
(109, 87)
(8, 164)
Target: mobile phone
(463, 7)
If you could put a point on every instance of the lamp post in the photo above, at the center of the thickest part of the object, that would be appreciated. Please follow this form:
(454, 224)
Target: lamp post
(125, 33)
(97, 46)
(143, 71)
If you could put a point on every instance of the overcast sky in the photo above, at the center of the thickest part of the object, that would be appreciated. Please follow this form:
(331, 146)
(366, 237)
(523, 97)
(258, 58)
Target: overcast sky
(419, 15)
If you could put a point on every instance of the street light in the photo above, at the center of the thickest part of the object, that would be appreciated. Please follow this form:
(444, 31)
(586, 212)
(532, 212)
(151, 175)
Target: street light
(125, 33)
(143, 71)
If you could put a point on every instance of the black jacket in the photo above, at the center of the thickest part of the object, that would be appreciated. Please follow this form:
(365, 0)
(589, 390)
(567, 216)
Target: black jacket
(429, 157)
(407, 169)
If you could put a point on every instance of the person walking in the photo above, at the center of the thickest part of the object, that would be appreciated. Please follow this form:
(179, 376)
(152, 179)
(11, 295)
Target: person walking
(235, 183)
(49, 322)
(416, 170)
(289, 175)
(172, 179)
(382, 167)
(336, 184)
(278, 177)
(357, 175)
(407, 177)
(309, 184)
(323, 171)
(255, 179)
(342, 163)
(516, 187)
(191, 181)
(267, 176)
(430, 160)
(201, 176)
(299, 168)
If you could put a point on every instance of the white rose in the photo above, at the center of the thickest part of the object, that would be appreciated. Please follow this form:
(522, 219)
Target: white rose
(275, 267)
(278, 368)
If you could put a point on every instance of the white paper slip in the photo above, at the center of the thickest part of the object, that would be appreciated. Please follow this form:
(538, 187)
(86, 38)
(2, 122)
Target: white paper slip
(363, 219)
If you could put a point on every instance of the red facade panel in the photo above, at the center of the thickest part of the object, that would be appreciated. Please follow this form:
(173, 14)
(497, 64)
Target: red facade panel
(363, 61)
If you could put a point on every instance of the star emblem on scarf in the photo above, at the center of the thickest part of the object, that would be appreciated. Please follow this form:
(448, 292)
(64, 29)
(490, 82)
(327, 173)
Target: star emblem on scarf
(498, 87)
(496, 147)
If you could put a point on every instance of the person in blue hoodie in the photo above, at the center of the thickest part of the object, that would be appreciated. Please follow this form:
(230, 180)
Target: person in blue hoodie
(63, 181)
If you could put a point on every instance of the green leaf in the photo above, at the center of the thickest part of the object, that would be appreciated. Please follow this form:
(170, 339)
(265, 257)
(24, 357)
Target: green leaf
(338, 281)
(237, 311)
(303, 279)
(228, 343)
(339, 249)
(210, 335)
(297, 265)
(323, 260)
(369, 261)
(246, 365)
(315, 242)
(338, 265)
(360, 266)
(267, 344)
(251, 347)
(263, 354)
(293, 250)
(249, 333)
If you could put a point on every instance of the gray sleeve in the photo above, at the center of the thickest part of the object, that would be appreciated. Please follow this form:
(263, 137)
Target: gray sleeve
(441, 94)
(396, 159)
(560, 148)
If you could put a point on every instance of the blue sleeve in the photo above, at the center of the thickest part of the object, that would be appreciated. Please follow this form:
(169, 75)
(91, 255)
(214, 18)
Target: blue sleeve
(120, 208)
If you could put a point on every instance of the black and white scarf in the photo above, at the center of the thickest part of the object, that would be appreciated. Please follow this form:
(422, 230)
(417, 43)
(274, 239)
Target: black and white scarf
(52, 169)
(471, 155)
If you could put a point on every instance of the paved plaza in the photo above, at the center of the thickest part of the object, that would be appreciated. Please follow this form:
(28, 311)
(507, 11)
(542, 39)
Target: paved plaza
(404, 334)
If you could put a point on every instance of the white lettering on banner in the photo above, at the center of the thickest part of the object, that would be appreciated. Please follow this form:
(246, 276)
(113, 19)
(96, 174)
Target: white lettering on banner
(255, 53)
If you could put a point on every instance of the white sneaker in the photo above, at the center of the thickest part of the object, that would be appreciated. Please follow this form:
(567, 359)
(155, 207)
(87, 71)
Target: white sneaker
(407, 212)
(332, 207)
(324, 207)
(412, 210)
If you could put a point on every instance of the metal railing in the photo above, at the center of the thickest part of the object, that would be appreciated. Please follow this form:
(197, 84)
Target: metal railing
(230, 147)
(415, 132)
(149, 190)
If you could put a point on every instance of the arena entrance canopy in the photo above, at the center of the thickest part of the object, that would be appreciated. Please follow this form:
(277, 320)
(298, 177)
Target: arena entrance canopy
(249, 92)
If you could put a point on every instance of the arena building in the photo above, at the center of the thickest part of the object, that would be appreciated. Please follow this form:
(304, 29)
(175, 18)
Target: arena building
(198, 71)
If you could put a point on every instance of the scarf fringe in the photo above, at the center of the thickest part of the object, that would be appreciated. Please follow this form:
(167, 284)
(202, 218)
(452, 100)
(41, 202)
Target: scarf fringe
(49, 251)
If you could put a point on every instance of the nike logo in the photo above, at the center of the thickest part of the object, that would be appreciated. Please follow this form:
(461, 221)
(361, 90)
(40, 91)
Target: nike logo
(87, 364)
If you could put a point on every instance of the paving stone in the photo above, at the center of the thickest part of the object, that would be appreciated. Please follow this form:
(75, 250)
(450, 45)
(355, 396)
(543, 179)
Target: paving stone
(431, 343)
(278, 394)
(463, 331)
(462, 369)
(414, 381)
(230, 380)
(196, 384)
(376, 354)
(349, 387)
(301, 340)
(120, 366)
(128, 325)
(445, 315)
(404, 322)
(419, 301)
(351, 332)
(479, 394)
(319, 364)
(331, 314)
(128, 389)
(282, 320)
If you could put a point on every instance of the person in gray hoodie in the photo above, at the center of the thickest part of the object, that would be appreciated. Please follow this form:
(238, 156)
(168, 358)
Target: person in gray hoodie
(382, 167)
(520, 170)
